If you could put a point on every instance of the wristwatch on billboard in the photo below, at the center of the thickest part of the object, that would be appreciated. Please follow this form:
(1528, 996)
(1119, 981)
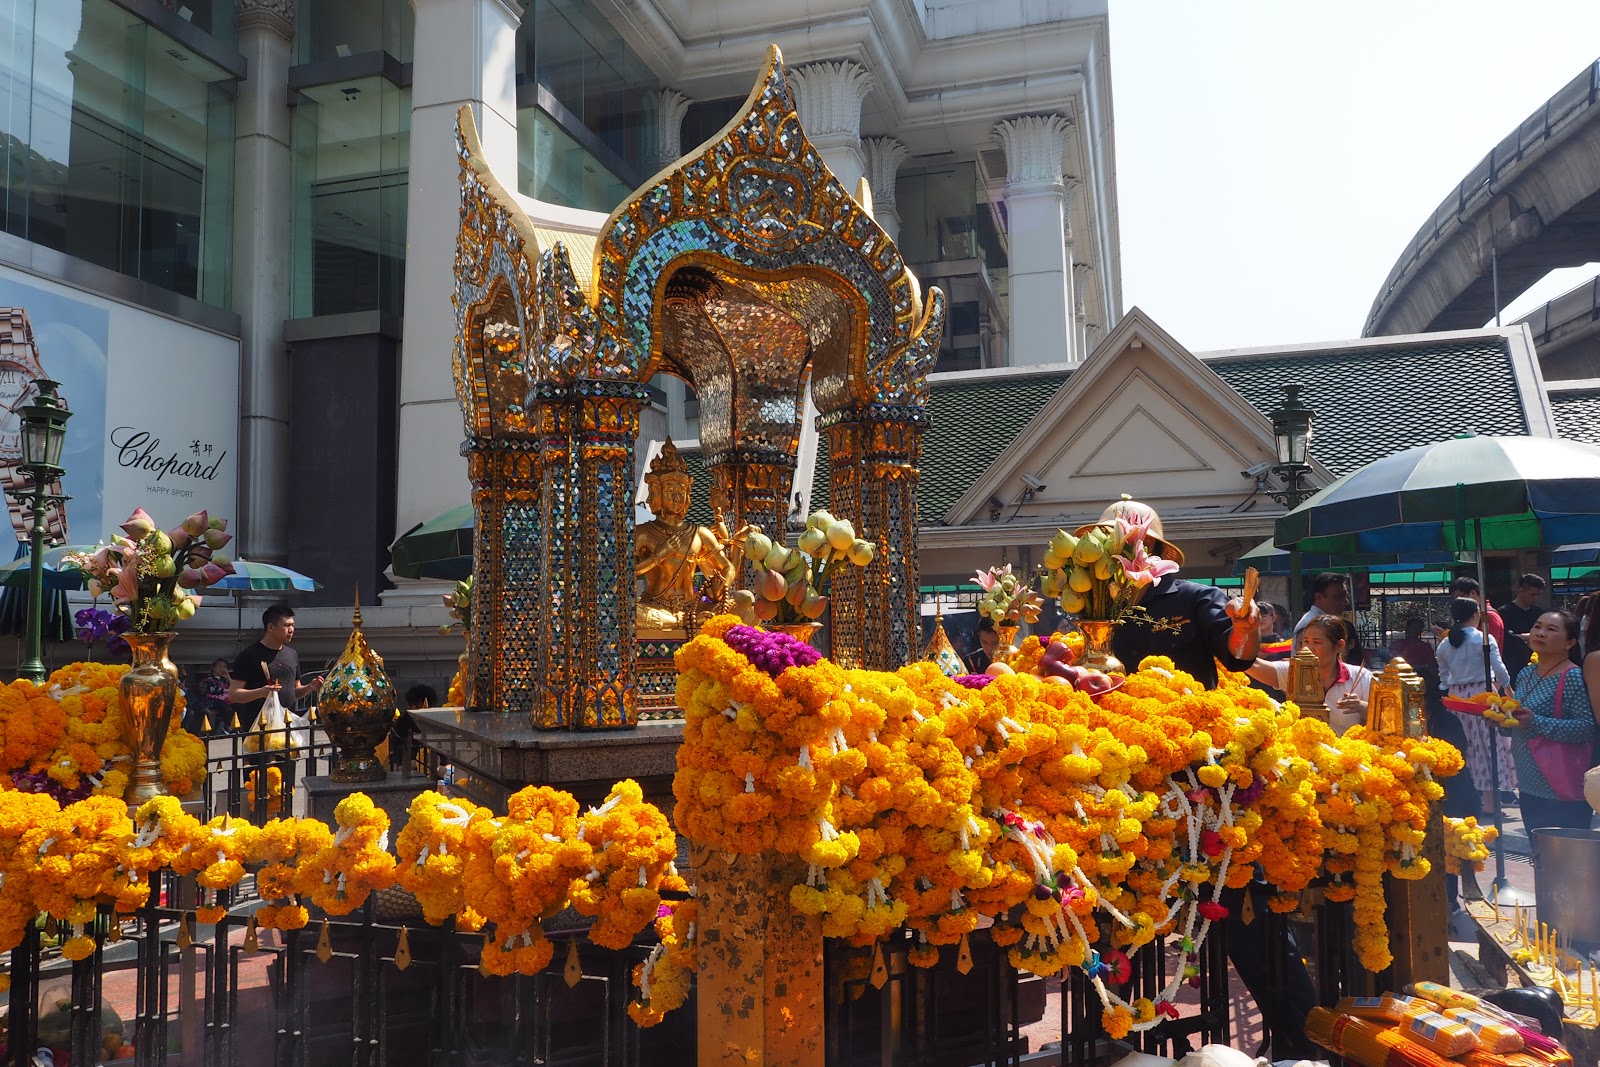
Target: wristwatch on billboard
(19, 367)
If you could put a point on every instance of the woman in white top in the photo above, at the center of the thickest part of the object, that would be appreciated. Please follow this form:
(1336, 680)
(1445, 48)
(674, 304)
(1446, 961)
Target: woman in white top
(1461, 675)
(1345, 687)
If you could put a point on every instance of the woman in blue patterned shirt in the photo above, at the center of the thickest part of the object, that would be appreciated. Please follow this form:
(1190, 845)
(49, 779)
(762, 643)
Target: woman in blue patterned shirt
(1555, 638)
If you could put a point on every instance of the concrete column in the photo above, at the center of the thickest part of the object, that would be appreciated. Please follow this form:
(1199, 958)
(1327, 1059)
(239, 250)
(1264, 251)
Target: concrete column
(828, 96)
(263, 248)
(464, 55)
(1040, 276)
(671, 106)
(883, 158)
(1080, 316)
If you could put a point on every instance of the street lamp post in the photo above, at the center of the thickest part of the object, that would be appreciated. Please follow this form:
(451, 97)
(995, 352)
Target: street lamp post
(44, 431)
(1291, 429)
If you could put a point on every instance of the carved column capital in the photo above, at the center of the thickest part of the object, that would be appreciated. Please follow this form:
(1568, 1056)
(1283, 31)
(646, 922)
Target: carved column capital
(1033, 145)
(671, 106)
(274, 15)
(828, 96)
(883, 157)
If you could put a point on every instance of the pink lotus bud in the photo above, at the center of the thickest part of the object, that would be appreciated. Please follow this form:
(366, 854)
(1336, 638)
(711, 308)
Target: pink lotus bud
(217, 524)
(199, 551)
(196, 524)
(178, 536)
(216, 538)
(213, 573)
(139, 524)
(192, 578)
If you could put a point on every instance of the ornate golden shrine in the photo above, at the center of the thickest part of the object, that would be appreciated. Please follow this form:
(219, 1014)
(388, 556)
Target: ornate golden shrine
(749, 271)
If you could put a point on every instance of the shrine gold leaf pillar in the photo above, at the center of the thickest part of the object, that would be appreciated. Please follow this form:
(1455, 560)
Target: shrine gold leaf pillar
(584, 625)
(876, 612)
(607, 424)
(556, 623)
(759, 972)
(502, 661)
(753, 487)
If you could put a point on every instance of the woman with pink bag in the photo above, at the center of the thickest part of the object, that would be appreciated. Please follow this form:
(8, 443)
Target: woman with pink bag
(1553, 741)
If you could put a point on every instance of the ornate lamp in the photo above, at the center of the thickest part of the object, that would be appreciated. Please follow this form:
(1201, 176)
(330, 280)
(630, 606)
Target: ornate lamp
(44, 433)
(1291, 431)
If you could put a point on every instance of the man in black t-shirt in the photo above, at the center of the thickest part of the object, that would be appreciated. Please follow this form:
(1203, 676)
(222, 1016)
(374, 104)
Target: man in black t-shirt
(1520, 613)
(269, 665)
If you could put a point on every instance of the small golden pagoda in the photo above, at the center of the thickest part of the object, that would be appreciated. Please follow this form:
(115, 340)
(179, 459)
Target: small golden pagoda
(357, 708)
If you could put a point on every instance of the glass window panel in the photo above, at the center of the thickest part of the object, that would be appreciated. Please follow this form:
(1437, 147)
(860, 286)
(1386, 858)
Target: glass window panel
(938, 213)
(215, 17)
(352, 145)
(119, 145)
(571, 50)
(333, 29)
(555, 168)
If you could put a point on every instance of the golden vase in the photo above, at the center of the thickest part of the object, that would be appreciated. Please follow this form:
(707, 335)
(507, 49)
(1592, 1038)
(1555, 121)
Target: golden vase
(804, 632)
(149, 697)
(1097, 656)
(1006, 646)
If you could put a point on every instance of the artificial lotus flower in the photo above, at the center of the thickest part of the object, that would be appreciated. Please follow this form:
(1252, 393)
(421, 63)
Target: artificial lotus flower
(1144, 569)
(139, 524)
(151, 573)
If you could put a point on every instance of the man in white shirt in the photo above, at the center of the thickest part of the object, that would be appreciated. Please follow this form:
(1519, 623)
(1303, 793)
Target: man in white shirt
(1330, 595)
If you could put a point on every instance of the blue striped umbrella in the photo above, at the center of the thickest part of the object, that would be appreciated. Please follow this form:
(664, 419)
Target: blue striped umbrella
(264, 578)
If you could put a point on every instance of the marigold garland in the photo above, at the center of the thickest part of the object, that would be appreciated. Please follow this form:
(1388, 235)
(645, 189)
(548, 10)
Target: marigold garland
(65, 736)
(1084, 828)
(1466, 844)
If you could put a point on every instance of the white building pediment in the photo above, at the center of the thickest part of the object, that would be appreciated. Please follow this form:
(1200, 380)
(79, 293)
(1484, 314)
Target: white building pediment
(1141, 416)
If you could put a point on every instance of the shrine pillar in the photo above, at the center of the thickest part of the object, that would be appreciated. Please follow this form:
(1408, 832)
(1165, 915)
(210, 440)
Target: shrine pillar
(753, 487)
(876, 611)
(584, 624)
(502, 660)
(606, 425)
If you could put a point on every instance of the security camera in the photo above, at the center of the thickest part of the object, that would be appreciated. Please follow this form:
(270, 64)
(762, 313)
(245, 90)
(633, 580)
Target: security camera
(1258, 470)
(1032, 482)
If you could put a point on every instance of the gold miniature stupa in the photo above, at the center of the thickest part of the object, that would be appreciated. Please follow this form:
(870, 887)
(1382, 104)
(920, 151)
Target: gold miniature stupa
(941, 652)
(357, 708)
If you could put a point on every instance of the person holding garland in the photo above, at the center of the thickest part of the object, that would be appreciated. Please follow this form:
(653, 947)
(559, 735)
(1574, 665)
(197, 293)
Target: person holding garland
(1198, 627)
(1553, 743)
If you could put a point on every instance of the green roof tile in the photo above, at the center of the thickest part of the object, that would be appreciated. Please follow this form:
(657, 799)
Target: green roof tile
(1577, 415)
(970, 423)
(1372, 402)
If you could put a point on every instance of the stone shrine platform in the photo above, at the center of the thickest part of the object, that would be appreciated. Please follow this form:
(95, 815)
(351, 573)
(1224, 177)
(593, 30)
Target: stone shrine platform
(494, 755)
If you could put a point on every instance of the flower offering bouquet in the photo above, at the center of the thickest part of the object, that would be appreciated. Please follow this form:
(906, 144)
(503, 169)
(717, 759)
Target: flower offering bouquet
(791, 584)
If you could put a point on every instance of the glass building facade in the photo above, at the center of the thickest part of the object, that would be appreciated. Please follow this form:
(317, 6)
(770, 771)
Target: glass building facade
(586, 108)
(352, 147)
(118, 141)
(340, 29)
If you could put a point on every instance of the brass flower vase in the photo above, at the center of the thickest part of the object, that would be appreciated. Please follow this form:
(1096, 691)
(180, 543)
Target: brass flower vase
(149, 698)
(1006, 646)
(1097, 635)
(805, 632)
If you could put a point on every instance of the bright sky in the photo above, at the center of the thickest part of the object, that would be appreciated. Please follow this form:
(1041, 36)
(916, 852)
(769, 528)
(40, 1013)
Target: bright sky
(1274, 158)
